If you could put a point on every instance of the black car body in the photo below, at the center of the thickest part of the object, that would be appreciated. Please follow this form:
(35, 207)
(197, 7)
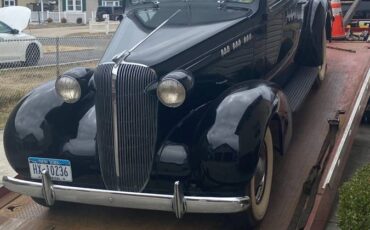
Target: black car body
(230, 57)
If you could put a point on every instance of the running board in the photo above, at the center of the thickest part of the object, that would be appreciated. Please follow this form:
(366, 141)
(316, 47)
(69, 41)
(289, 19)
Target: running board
(300, 85)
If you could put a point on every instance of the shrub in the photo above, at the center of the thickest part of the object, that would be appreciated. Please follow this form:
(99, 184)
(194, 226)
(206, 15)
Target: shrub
(354, 201)
(49, 20)
(79, 21)
(63, 20)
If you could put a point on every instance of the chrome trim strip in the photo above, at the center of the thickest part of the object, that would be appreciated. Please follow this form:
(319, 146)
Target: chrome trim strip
(115, 119)
(125, 62)
(133, 63)
(146, 201)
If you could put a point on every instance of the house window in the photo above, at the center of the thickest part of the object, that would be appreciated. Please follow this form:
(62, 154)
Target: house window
(111, 3)
(9, 3)
(74, 5)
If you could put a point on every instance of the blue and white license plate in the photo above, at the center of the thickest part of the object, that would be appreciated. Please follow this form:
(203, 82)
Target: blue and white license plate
(59, 170)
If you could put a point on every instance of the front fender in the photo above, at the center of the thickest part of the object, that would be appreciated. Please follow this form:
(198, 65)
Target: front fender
(234, 129)
(42, 125)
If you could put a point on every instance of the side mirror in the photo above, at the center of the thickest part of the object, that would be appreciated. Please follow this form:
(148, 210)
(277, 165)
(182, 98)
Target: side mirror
(14, 31)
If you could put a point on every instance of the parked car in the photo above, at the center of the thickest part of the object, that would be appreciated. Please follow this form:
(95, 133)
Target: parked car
(184, 112)
(114, 12)
(16, 46)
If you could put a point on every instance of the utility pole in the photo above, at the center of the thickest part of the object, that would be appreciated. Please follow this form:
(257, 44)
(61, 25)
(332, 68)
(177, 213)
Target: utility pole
(42, 10)
(60, 11)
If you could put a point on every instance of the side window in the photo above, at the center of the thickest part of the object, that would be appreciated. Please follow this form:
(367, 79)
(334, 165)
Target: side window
(4, 28)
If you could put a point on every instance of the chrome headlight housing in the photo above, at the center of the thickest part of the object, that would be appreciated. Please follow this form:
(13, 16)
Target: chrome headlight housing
(68, 88)
(171, 92)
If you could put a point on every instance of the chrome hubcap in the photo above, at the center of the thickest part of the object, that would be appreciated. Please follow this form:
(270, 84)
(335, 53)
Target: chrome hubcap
(260, 176)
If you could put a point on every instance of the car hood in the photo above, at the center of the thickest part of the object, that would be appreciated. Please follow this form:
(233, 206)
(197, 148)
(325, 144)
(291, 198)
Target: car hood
(184, 30)
(17, 17)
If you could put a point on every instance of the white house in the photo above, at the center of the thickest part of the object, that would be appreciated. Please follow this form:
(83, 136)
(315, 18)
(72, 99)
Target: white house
(69, 9)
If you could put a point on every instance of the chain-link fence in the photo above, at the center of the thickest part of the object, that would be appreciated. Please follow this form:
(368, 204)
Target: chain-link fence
(27, 63)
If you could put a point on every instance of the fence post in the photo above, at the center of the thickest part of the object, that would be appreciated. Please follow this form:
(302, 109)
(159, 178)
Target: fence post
(85, 18)
(57, 40)
(107, 26)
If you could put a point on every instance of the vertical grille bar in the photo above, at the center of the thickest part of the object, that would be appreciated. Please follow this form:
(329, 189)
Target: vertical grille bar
(104, 124)
(137, 119)
(136, 125)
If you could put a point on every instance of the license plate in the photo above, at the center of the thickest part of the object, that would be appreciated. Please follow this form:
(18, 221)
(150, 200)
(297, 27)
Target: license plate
(59, 170)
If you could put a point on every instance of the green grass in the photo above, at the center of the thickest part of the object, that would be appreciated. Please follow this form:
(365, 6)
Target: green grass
(15, 83)
(354, 201)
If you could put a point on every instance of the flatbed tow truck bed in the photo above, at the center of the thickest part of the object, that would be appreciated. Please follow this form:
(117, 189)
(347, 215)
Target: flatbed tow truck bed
(345, 88)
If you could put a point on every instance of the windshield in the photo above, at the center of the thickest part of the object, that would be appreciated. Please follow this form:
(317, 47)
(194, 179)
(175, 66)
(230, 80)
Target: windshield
(4, 28)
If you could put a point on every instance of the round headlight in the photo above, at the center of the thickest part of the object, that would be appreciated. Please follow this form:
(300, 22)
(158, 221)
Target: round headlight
(171, 93)
(68, 89)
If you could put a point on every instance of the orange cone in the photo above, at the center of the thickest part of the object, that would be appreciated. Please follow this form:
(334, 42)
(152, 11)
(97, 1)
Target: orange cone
(338, 31)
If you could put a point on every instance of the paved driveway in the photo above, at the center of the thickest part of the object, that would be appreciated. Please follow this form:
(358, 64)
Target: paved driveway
(5, 169)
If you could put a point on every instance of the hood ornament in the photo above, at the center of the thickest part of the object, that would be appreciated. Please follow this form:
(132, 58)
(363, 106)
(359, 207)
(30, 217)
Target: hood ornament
(119, 58)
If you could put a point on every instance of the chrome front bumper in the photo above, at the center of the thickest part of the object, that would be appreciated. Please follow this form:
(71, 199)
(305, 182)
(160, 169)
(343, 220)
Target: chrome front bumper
(177, 203)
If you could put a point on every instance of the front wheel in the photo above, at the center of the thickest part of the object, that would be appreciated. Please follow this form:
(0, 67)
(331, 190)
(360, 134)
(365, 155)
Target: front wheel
(259, 188)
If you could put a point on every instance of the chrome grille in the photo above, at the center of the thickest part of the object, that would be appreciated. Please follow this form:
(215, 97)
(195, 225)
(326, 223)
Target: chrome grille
(136, 123)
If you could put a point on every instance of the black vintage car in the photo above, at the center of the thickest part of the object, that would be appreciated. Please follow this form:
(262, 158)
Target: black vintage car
(184, 112)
